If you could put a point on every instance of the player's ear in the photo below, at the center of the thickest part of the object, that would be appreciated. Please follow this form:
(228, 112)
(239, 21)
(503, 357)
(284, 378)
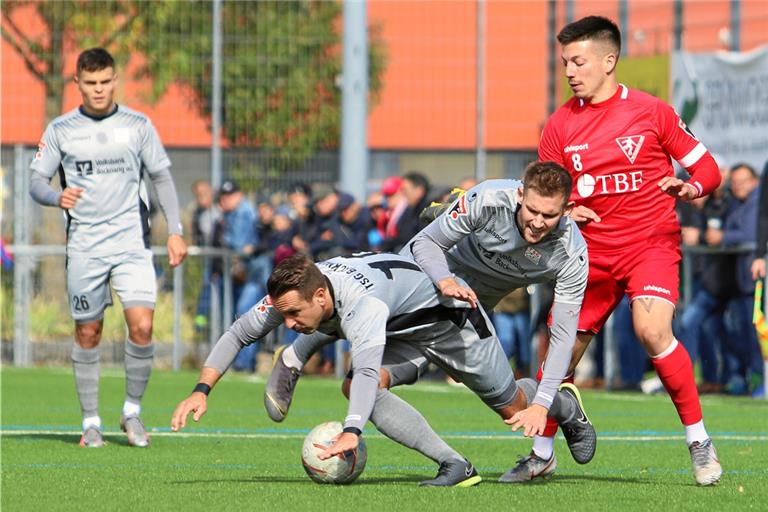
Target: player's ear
(520, 194)
(568, 208)
(609, 62)
(321, 296)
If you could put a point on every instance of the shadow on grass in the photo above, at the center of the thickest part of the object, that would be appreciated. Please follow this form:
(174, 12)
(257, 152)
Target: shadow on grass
(300, 480)
(577, 479)
(73, 439)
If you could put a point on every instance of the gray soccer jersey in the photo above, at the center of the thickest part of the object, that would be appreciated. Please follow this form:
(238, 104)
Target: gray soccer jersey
(478, 240)
(383, 300)
(484, 246)
(107, 157)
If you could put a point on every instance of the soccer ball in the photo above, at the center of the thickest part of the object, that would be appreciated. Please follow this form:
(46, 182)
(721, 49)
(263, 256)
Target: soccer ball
(341, 469)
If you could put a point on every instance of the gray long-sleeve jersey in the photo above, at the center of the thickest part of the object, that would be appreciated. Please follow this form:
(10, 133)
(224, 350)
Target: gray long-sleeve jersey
(376, 297)
(107, 157)
(478, 239)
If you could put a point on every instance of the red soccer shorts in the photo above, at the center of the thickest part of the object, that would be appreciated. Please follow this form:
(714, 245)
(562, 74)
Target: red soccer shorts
(648, 269)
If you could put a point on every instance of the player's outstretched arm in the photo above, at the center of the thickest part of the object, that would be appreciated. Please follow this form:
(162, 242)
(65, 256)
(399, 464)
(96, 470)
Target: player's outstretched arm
(344, 442)
(532, 420)
(197, 402)
(450, 288)
(582, 215)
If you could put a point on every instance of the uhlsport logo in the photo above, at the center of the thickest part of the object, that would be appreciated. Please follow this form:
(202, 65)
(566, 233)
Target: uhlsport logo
(84, 168)
(631, 146)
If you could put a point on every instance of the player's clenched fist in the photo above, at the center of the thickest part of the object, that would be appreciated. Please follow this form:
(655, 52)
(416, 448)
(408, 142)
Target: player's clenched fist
(69, 197)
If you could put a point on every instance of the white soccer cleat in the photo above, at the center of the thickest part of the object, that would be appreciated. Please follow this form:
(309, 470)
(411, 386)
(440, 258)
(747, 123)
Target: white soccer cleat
(706, 465)
(530, 468)
(134, 428)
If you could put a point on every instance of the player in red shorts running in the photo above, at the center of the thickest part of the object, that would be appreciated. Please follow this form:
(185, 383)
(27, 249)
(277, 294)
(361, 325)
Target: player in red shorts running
(618, 143)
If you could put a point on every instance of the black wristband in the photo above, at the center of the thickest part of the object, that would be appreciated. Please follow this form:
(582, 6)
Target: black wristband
(203, 388)
(353, 430)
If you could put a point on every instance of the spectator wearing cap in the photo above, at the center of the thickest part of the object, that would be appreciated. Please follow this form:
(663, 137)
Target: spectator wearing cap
(354, 224)
(415, 189)
(238, 233)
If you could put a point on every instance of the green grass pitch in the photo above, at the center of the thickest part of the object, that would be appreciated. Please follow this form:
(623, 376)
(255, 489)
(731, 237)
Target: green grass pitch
(237, 459)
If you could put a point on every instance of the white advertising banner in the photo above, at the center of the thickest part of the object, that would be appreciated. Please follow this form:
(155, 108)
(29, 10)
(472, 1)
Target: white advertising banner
(723, 98)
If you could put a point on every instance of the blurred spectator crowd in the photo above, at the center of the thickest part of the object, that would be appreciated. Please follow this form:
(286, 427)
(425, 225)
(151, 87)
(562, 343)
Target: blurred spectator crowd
(715, 323)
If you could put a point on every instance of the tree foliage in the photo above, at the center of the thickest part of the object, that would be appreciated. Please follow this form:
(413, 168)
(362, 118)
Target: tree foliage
(281, 61)
(67, 25)
(281, 65)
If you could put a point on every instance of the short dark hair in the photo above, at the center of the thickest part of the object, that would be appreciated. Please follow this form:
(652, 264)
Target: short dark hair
(595, 28)
(549, 179)
(297, 272)
(746, 166)
(94, 59)
(418, 179)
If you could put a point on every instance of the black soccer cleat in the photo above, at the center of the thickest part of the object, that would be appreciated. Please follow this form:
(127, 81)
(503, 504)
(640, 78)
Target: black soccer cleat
(579, 432)
(279, 390)
(454, 473)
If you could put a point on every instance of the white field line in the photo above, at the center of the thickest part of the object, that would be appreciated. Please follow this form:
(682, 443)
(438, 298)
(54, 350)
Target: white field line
(301, 435)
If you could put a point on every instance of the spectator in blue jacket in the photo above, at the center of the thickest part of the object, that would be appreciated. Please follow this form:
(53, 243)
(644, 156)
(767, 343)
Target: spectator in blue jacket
(739, 229)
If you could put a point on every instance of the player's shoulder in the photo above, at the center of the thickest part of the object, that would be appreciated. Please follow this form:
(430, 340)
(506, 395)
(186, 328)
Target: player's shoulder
(494, 193)
(67, 118)
(570, 237)
(128, 114)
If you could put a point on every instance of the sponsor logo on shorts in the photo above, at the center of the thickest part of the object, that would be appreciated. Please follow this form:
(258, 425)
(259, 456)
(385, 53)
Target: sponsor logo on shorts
(654, 288)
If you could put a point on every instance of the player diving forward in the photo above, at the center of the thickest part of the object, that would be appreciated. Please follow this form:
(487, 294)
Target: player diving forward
(389, 311)
(500, 235)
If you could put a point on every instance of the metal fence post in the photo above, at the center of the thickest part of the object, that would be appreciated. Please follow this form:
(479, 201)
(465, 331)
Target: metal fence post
(227, 299)
(22, 272)
(178, 297)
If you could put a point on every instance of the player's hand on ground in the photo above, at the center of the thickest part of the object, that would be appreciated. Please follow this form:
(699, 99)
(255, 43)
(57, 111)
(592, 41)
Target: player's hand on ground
(582, 214)
(343, 443)
(69, 197)
(678, 188)
(532, 420)
(450, 288)
(177, 250)
(758, 268)
(196, 402)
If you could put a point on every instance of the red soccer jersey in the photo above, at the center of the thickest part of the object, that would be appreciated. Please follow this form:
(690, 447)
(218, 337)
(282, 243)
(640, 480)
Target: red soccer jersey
(617, 152)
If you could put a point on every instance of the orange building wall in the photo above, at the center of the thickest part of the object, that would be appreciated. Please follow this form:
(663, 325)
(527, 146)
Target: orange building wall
(429, 95)
(23, 102)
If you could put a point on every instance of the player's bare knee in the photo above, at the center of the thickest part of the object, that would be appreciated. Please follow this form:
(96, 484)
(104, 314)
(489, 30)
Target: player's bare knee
(88, 335)
(140, 332)
(654, 339)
